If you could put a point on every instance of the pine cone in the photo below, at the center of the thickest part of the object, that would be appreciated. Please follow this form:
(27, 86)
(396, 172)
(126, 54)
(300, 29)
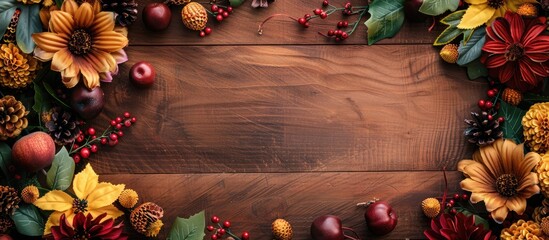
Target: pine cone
(63, 127)
(17, 69)
(145, 219)
(9, 36)
(483, 129)
(5, 224)
(9, 200)
(177, 2)
(125, 10)
(13, 117)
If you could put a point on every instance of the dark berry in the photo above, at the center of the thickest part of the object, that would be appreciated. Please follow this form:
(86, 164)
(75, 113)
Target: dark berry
(94, 148)
(307, 16)
(210, 228)
(113, 143)
(317, 11)
(306, 25)
(226, 224)
(453, 211)
(113, 123)
(133, 120)
(481, 104)
(344, 35)
(118, 119)
(208, 30)
(113, 136)
(457, 196)
(221, 232)
(202, 34)
(118, 126)
(127, 114)
(103, 141)
(76, 158)
(229, 9)
(219, 18)
(301, 21)
(220, 10)
(214, 8)
(501, 119)
(323, 15)
(491, 93)
(225, 14)
(91, 131)
(331, 33)
(214, 237)
(85, 153)
(325, 3)
(464, 196)
(120, 133)
(488, 104)
(215, 219)
(127, 123)
(245, 236)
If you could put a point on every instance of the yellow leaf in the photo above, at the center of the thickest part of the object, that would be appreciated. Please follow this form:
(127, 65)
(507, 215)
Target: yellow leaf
(85, 182)
(53, 220)
(55, 200)
(104, 194)
(475, 16)
(112, 212)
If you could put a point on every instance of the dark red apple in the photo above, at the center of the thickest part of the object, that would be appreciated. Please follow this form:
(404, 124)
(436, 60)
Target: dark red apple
(380, 218)
(157, 16)
(142, 74)
(327, 227)
(87, 103)
(5, 237)
(411, 11)
(34, 151)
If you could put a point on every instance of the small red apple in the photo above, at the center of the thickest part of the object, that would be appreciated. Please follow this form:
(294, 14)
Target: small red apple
(380, 218)
(34, 151)
(87, 103)
(142, 74)
(157, 16)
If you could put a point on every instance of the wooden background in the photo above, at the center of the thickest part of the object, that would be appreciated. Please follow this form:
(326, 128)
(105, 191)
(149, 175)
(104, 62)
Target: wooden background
(288, 124)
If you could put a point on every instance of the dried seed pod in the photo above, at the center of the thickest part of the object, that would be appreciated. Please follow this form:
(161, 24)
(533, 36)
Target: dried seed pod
(430, 207)
(194, 16)
(282, 230)
(145, 219)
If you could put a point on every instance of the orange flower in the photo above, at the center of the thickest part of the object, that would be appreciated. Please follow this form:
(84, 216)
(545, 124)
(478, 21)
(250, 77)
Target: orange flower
(81, 43)
(501, 176)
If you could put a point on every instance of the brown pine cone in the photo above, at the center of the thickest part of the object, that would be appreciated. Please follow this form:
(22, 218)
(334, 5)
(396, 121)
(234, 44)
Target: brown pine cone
(63, 126)
(125, 10)
(9, 36)
(145, 219)
(5, 224)
(13, 117)
(9, 200)
(483, 129)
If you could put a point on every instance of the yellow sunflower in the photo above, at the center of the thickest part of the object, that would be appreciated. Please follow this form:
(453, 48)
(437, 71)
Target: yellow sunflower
(501, 176)
(486, 11)
(91, 197)
(81, 43)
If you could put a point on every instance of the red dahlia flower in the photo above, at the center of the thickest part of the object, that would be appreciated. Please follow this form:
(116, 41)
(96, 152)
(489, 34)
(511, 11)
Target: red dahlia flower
(516, 51)
(459, 226)
(85, 227)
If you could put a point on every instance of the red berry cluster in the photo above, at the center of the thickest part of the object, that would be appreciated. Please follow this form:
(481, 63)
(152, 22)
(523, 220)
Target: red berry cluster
(452, 202)
(220, 13)
(224, 228)
(491, 103)
(86, 142)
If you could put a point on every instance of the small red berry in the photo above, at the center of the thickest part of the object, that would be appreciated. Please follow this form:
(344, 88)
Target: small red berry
(317, 11)
(202, 34)
(501, 119)
(133, 120)
(85, 152)
(80, 138)
(457, 196)
(245, 236)
(452, 202)
(126, 114)
(226, 224)
(113, 143)
(337, 39)
(339, 24)
(91, 131)
(94, 148)
(214, 237)
(307, 16)
(323, 15)
(345, 24)
(103, 141)
(495, 90)
(344, 35)
(220, 10)
(215, 219)
(118, 126)
(113, 137)
(331, 33)
(229, 9)
(208, 30)
(225, 14)
(453, 211)
(210, 228)
(306, 25)
(118, 119)
(113, 123)
(219, 17)
(76, 158)
(338, 33)
(448, 205)
(481, 104)
(325, 3)
(127, 123)
(214, 8)
(488, 104)
(348, 5)
(301, 21)
(464, 196)
(221, 232)
(490, 117)
(17, 177)
(491, 93)
(120, 133)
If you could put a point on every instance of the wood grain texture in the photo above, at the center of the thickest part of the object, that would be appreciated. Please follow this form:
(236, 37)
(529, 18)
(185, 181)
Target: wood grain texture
(291, 109)
(252, 201)
(241, 27)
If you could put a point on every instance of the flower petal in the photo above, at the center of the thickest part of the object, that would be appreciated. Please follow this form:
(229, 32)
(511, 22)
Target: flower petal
(500, 214)
(84, 15)
(61, 22)
(97, 60)
(516, 26)
(494, 47)
(69, 6)
(492, 160)
(538, 45)
(109, 41)
(529, 191)
(71, 82)
(43, 55)
(120, 56)
(500, 31)
(49, 42)
(61, 60)
(535, 67)
(55, 200)
(104, 21)
(104, 194)
(476, 15)
(110, 210)
(85, 182)
(532, 33)
(528, 180)
(495, 60)
(53, 220)
(525, 166)
(527, 75)
(516, 204)
(477, 187)
(507, 71)
(478, 173)
(494, 201)
(90, 77)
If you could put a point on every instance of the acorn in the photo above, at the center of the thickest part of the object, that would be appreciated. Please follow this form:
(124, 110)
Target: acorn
(528, 10)
(194, 16)
(430, 207)
(511, 96)
(449, 53)
(282, 230)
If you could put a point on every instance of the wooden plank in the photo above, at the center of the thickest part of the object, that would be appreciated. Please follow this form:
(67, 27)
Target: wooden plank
(291, 109)
(252, 201)
(241, 27)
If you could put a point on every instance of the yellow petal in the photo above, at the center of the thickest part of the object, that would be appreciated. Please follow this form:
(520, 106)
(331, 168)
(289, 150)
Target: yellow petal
(69, 6)
(84, 15)
(492, 160)
(464, 163)
(478, 172)
(61, 60)
(71, 71)
(474, 186)
(85, 182)
(112, 212)
(70, 82)
(104, 194)
(509, 153)
(524, 166)
(55, 200)
(43, 55)
(97, 60)
(516, 204)
(494, 201)
(53, 220)
(104, 21)
(61, 22)
(475, 16)
(96, 6)
(49, 42)
(500, 214)
(90, 77)
(471, 2)
(109, 41)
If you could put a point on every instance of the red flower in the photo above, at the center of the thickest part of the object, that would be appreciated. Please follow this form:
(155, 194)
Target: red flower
(459, 226)
(85, 227)
(516, 51)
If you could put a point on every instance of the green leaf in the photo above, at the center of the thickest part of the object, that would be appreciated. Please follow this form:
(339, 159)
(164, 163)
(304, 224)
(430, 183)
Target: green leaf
(59, 3)
(236, 3)
(29, 23)
(437, 7)
(386, 18)
(28, 221)
(451, 32)
(5, 160)
(188, 229)
(38, 98)
(534, 98)
(5, 19)
(476, 69)
(471, 50)
(5, 5)
(50, 91)
(512, 126)
(61, 171)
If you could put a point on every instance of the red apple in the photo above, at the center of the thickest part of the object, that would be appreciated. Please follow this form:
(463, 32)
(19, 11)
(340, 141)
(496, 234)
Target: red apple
(34, 151)
(327, 227)
(157, 16)
(411, 11)
(87, 103)
(5, 237)
(380, 218)
(142, 74)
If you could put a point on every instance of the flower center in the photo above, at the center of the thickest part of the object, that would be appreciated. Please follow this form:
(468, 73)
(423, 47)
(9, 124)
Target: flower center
(79, 205)
(514, 52)
(80, 42)
(507, 184)
(495, 3)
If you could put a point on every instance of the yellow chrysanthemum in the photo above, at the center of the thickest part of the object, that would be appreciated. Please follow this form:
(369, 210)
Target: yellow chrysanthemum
(486, 11)
(81, 43)
(522, 230)
(501, 176)
(536, 127)
(91, 197)
(17, 69)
